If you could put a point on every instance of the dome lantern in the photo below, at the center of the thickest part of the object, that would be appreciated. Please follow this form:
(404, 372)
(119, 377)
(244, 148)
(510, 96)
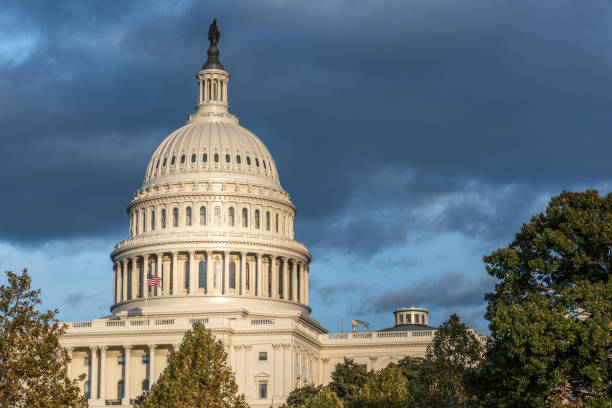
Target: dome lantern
(212, 79)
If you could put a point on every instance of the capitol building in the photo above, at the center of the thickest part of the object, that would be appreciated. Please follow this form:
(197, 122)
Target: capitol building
(213, 224)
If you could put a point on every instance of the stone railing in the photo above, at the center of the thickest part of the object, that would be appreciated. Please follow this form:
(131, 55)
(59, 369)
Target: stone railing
(372, 337)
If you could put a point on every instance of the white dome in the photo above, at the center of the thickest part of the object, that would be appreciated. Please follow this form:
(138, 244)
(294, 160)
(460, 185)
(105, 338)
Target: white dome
(212, 147)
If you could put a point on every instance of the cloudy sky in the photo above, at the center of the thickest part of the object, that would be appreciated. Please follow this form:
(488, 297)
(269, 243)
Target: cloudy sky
(414, 136)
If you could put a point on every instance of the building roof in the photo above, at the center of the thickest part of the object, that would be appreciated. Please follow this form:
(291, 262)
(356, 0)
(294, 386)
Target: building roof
(408, 327)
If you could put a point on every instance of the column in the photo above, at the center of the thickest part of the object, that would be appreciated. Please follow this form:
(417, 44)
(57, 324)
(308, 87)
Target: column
(124, 280)
(69, 362)
(134, 278)
(165, 277)
(288, 376)
(259, 274)
(193, 284)
(274, 265)
(302, 273)
(306, 273)
(151, 365)
(225, 272)
(285, 279)
(158, 272)
(294, 281)
(126, 378)
(238, 367)
(248, 363)
(200, 92)
(242, 272)
(277, 390)
(93, 380)
(209, 277)
(175, 275)
(103, 372)
(145, 272)
(116, 269)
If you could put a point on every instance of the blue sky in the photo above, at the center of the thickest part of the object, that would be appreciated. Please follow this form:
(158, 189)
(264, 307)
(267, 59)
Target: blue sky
(413, 136)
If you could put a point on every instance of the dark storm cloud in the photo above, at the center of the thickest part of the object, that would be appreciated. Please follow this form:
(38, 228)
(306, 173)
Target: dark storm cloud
(385, 120)
(451, 291)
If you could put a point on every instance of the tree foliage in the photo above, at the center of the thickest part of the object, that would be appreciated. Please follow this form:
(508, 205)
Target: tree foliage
(32, 361)
(324, 398)
(197, 376)
(299, 396)
(440, 380)
(385, 388)
(550, 314)
(347, 379)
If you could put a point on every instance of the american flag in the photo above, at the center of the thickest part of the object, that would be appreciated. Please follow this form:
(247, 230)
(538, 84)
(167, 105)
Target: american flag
(153, 281)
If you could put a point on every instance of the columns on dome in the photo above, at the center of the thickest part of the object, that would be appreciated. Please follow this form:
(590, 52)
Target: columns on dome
(226, 272)
(242, 273)
(165, 275)
(294, 281)
(274, 266)
(116, 295)
(209, 272)
(306, 273)
(193, 284)
(175, 275)
(145, 272)
(301, 282)
(134, 278)
(285, 279)
(124, 283)
(259, 278)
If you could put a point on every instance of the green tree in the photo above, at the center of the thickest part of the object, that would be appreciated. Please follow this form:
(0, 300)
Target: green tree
(32, 361)
(453, 351)
(325, 398)
(299, 396)
(197, 376)
(550, 314)
(409, 367)
(347, 378)
(384, 389)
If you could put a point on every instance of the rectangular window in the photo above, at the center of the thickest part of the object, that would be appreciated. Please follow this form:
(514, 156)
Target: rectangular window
(263, 356)
(145, 359)
(87, 361)
(263, 389)
(408, 318)
(416, 319)
(121, 360)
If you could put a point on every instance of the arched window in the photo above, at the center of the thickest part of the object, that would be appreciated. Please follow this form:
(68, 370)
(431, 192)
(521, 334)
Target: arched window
(221, 86)
(264, 163)
(173, 160)
(216, 157)
(237, 159)
(209, 89)
(218, 216)
(204, 158)
(247, 281)
(257, 219)
(230, 216)
(144, 220)
(165, 162)
(245, 217)
(193, 158)
(257, 162)
(145, 385)
(248, 160)
(276, 222)
(175, 217)
(202, 274)
(227, 158)
(163, 218)
(217, 275)
(188, 216)
(152, 220)
(267, 220)
(182, 159)
(120, 390)
(232, 275)
(202, 215)
(136, 217)
(215, 90)
(157, 165)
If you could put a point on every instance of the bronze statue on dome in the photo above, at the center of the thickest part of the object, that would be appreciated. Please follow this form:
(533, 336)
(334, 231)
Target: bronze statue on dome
(213, 33)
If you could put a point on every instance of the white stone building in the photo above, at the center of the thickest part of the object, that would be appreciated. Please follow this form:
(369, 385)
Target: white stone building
(212, 221)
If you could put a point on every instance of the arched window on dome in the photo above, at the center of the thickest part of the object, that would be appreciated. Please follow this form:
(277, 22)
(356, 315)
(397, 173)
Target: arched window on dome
(163, 218)
(257, 219)
(232, 275)
(209, 90)
(245, 217)
(144, 220)
(202, 274)
(221, 86)
(248, 160)
(267, 220)
(216, 157)
(175, 217)
(256, 162)
(204, 157)
(136, 229)
(230, 216)
(238, 160)
(172, 160)
(215, 90)
(276, 222)
(188, 216)
(157, 165)
(264, 163)
(218, 216)
(217, 275)
(165, 162)
(202, 215)
(193, 158)
(247, 281)
(182, 159)
(227, 158)
(153, 220)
